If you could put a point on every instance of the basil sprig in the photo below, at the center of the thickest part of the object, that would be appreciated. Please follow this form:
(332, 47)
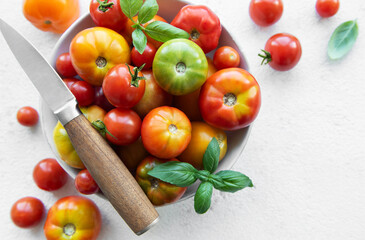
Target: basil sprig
(184, 174)
(157, 30)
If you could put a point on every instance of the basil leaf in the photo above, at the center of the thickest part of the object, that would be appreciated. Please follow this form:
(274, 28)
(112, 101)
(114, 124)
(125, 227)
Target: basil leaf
(211, 156)
(230, 181)
(130, 7)
(342, 39)
(139, 40)
(163, 32)
(178, 173)
(202, 199)
(148, 11)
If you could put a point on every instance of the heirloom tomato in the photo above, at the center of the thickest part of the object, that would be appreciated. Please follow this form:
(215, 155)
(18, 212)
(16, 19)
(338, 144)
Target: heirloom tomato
(64, 66)
(180, 66)
(49, 175)
(95, 50)
(157, 191)
(230, 99)
(201, 23)
(266, 12)
(27, 212)
(166, 132)
(85, 183)
(226, 57)
(73, 218)
(201, 135)
(55, 16)
(327, 8)
(27, 116)
(108, 13)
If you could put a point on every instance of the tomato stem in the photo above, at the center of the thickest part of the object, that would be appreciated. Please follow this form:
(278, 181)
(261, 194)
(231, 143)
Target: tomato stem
(69, 229)
(135, 78)
(104, 6)
(265, 58)
(100, 126)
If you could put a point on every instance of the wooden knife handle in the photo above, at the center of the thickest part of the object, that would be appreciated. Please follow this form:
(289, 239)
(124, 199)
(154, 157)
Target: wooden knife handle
(113, 178)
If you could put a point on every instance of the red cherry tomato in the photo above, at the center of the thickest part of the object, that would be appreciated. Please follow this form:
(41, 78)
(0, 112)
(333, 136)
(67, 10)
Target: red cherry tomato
(226, 57)
(85, 183)
(27, 212)
(84, 93)
(49, 175)
(70, 81)
(101, 100)
(282, 51)
(327, 8)
(27, 116)
(64, 65)
(108, 14)
(124, 125)
(266, 12)
(145, 58)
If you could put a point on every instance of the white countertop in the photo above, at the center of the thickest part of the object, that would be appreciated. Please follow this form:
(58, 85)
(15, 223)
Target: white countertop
(305, 155)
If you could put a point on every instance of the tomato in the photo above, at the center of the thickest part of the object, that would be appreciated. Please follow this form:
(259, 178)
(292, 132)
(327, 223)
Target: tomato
(70, 81)
(101, 101)
(95, 50)
(64, 66)
(201, 23)
(180, 67)
(55, 16)
(49, 175)
(201, 135)
(73, 217)
(153, 97)
(27, 212)
(83, 92)
(282, 51)
(230, 99)
(108, 13)
(157, 191)
(145, 58)
(327, 8)
(27, 116)
(266, 12)
(166, 132)
(226, 57)
(124, 125)
(124, 86)
(85, 183)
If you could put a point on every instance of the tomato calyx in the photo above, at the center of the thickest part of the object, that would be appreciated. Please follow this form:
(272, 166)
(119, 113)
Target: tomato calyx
(194, 34)
(69, 229)
(104, 6)
(100, 126)
(229, 99)
(265, 58)
(180, 67)
(135, 78)
(172, 128)
(100, 62)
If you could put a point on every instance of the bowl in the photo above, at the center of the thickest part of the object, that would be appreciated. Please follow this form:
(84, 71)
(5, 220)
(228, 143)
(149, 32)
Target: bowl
(167, 9)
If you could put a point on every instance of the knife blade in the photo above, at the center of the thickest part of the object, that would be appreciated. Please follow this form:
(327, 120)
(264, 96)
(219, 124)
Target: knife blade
(113, 178)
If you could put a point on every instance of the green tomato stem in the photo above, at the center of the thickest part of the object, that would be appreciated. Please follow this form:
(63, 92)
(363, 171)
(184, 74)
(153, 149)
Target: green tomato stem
(265, 58)
(100, 126)
(135, 78)
(104, 6)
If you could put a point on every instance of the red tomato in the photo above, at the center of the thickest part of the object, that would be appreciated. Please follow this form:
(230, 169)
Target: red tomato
(123, 86)
(108, 13)
(27, 212)
(84, 93)
(230, 99)
(226, 57)
(27, 116)
(327, 8)
(64, 66)
(282, 51)
(266, 12)
(124, 125)
(70, 81)
(101, 100)
(85, 183)
(49, 175)
(145, 58)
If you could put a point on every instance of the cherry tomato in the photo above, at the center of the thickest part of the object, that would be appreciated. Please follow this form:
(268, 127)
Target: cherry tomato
(226, 57)
(85, 183)
(282, 51)
(83, 92)
(70, 81)
(49, 175)
(27, 116)
(64, 66)
(327, 8)
(101, 100)
(124, 125)
(108, 13)
(166, 132)
(266, 12)
(27, 212)
(145, 58)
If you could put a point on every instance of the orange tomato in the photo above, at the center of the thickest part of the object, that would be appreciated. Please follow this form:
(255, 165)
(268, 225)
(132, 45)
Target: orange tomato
(51, 15)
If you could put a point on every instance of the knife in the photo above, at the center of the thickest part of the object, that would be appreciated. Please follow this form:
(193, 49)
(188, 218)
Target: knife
(113, 178)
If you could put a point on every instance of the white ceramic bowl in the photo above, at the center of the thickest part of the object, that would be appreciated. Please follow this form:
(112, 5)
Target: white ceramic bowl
(168, 10)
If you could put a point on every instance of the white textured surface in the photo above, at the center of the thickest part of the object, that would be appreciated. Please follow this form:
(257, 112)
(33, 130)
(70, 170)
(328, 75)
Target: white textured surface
(306, 153)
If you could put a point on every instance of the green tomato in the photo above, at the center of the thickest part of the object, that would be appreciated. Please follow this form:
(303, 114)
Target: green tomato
(180, 66)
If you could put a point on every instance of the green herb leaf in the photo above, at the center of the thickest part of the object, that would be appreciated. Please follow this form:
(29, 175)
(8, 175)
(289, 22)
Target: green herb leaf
(178, 173)
(163, 32)
(211, 156)
(139, 40)
(203, 175)
(230, 181)
(342, 39)
(130, 7)
(148, 11)
(202, 199)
